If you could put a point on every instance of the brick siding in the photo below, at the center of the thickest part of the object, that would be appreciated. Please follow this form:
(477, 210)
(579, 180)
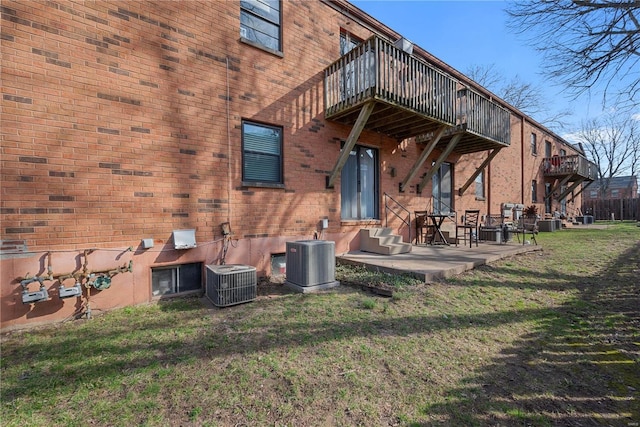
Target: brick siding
(121, 120)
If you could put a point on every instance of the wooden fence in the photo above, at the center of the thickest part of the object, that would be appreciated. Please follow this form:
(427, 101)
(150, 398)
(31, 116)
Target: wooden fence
(621, 209)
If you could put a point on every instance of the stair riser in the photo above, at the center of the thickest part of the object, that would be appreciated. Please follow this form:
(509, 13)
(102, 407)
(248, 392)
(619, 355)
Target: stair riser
(382, 241)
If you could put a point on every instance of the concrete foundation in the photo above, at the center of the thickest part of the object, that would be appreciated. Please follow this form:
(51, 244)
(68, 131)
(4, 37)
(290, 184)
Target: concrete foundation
(311, 289)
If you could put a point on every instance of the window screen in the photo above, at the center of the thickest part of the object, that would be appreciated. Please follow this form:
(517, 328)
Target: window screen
(262, 153)
(260, 22)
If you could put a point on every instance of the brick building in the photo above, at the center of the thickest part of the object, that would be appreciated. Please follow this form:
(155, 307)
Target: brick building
(617, 187)
(124, 121)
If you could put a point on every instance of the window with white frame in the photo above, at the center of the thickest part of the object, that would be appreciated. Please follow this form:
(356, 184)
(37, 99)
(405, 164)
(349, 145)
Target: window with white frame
(593, 194)
(534, 144)
(260, 23)
(442, 189)
(359, 185)
(480, 185)
(615, 193)
(261, 153)
(348, 42)
(176, 279)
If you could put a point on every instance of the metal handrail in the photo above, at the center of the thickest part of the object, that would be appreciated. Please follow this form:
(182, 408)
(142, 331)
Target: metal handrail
(450, 212)
(387, 208)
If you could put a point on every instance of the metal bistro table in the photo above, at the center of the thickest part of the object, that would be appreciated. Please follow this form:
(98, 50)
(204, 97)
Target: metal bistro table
(437, 220)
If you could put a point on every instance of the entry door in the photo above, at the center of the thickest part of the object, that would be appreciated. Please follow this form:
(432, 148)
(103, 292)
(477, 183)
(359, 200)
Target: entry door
(442, 185)
(547, 200)
(359, 184)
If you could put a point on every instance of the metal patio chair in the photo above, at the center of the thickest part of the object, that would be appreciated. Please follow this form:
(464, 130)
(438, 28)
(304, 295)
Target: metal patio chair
(527, 226)
(469, 226)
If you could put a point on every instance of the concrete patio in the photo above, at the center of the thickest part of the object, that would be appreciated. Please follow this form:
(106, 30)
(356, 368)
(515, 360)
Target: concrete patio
(432, 262)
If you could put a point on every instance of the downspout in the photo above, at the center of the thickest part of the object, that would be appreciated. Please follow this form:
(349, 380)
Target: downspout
(489, 189)
(228, 100)
(522, 160)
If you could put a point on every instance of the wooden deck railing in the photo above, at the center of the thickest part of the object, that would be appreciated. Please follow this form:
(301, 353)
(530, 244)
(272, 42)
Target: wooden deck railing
(569, 165)
(483, 117)
(377, 69)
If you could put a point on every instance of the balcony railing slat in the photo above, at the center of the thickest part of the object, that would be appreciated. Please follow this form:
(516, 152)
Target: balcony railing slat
(569, 165)
(483, 117)
(377, 69)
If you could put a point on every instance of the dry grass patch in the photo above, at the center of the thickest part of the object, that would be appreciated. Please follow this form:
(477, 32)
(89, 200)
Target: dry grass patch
(541, 339)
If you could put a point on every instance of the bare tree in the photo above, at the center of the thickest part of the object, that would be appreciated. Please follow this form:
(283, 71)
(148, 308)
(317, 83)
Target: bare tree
(613, 145)
(525, 96)
(585, 42)
(486, 75)
(634, 135)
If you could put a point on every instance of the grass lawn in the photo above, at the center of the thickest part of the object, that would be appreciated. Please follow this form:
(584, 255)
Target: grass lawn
(550, 338)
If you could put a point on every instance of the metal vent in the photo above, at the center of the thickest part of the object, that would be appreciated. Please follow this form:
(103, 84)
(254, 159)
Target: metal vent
(231, 284)
(311, 262)
(184, 239)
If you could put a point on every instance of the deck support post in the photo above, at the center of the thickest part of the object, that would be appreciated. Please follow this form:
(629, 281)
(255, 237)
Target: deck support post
(572, 187)
(480, 168)
(556, 187)
(366, 111)
(443, 156)
(423, 157)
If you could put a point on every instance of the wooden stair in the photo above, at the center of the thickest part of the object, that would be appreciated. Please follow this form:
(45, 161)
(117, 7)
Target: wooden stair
(382, 241)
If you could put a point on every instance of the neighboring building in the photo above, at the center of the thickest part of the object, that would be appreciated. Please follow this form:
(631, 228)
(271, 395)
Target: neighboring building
(613, 198)
(123, 122)
(617, 187)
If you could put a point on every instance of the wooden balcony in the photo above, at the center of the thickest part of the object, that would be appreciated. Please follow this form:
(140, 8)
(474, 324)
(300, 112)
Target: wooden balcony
(569, 168)
(411, 99)
(568, 173)
(485, 124)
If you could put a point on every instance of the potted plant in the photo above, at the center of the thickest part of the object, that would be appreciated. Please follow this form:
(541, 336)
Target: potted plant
(530, 211)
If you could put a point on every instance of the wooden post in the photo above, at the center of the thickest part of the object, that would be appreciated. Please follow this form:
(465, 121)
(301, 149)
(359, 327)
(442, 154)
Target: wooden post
(358, 126)
(452, 144)
(423, 157)
(473, 177)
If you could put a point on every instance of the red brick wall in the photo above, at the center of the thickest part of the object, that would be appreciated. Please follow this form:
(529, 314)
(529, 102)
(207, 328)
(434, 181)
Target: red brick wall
(121, 121)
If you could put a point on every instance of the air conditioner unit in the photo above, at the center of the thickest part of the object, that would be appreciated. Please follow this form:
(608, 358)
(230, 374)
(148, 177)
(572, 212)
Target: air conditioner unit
(231, 284)
(311, 263)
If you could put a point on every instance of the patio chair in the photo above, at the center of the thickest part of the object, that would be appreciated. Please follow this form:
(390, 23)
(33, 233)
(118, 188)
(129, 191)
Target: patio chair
(494, 229)
(469, 225)
(424, 230)
(527, 225)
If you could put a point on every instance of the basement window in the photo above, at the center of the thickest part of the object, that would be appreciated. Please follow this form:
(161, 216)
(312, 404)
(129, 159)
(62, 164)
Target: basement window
(176, 279)
(278, 265)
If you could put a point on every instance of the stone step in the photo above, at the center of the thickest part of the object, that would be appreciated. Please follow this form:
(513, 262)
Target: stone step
(382, 241)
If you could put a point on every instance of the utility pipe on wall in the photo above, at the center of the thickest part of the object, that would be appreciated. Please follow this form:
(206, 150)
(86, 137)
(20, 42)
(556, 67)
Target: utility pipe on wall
(522, 160)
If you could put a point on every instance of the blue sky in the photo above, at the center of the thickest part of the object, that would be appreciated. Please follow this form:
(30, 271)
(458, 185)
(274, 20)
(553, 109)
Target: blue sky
(472, 33)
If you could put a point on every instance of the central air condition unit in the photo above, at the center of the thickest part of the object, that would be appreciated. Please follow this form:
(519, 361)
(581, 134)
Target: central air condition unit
(231, 284)
(311, 264)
